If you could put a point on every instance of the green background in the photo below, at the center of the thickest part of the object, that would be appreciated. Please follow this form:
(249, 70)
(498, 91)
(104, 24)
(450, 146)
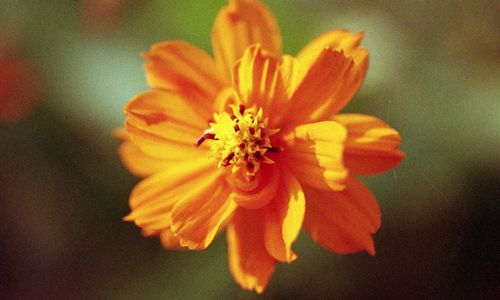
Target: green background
(434, 75)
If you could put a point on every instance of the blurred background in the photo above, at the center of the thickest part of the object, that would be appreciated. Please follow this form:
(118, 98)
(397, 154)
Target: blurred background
(68, 67)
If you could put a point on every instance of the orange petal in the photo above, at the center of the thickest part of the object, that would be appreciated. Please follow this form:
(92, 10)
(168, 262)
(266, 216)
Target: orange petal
(238, 25)
(224, 99)
(257, 191)
(314, 152)
(170, 240)
(340, 39)
(326, 85)
(371, 145)
(249, 262)
(164, 125)
(152, 200)
(258, 81)
(137, 162)
(180, 66)
(283, 218)
(343, 221)
(289, 71)
(202, 213)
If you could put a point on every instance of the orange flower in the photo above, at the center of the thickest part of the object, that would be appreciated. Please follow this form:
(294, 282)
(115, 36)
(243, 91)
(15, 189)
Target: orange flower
(270, 151)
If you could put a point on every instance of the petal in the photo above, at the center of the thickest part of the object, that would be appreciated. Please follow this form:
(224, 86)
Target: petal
(170, 240)
(224, 99)
(164, 125)
(289, 71)
(258, 81)
(202, 213)
(283, 218)
(137, 162)
(371, 146)
(343, 221)
(249, 262)
(257, 191)
(326, 85)
(180, 66)
(238, 25)
(313, 152)
(340, 39)
(152, 200)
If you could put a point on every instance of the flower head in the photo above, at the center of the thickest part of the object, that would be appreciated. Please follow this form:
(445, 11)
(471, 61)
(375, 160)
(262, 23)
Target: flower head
(252, 142)
(241, 139)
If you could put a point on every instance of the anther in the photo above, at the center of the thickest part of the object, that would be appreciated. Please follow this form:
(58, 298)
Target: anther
(252, 130)
(236, 128)
(242, 108)
(274, 149)
(199, 141)
(227, 161)
(207, 135)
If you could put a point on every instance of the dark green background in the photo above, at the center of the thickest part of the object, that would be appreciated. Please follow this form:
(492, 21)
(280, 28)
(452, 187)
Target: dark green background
(434, 75)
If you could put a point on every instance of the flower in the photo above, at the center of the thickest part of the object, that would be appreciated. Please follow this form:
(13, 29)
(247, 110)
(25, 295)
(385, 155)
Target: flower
(271, 153)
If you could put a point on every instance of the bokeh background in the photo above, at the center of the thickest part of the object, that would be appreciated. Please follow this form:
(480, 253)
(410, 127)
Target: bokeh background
(434, 75)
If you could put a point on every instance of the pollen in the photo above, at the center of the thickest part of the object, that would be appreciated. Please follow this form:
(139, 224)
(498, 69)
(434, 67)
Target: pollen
(240, 140)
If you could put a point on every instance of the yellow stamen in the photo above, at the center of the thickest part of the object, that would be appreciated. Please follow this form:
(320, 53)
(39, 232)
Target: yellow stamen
(240, 139)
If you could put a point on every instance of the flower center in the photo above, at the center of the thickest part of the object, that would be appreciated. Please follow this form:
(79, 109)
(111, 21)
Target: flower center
(240, 139)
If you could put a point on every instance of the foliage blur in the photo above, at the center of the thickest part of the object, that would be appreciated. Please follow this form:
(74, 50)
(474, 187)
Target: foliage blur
(434, 75)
